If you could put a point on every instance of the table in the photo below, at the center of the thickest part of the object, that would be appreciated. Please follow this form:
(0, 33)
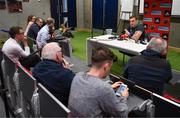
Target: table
(125, 46)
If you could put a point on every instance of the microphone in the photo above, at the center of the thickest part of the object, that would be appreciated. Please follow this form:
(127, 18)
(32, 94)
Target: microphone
(123, 32)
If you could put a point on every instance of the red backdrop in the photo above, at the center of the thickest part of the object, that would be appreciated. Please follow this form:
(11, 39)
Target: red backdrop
(157, 15)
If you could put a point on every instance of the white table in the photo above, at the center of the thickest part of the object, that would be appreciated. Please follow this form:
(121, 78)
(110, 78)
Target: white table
(126, 46)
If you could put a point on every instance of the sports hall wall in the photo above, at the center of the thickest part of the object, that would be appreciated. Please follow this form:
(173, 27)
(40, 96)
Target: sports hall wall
(33, 7)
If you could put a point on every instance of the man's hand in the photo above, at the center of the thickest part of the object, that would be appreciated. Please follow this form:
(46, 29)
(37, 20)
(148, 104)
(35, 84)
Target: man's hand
(53, 36)
(116, 85)
(66, 64)
(125, 93)
(137, 35)
(25, 41)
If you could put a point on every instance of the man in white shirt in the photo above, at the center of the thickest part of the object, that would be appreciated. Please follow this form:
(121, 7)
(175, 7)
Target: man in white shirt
(44, 34)
(14, 51)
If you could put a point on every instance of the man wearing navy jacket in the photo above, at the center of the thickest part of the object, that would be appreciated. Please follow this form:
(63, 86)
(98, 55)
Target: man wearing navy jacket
(150, 69)
(54, 73)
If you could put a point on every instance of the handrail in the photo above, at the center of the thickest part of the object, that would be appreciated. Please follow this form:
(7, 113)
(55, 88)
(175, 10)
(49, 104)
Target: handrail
(54, 98)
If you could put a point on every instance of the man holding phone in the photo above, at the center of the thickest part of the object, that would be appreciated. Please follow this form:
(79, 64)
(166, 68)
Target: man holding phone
(14, 51)
(90, 96)
(121, 89)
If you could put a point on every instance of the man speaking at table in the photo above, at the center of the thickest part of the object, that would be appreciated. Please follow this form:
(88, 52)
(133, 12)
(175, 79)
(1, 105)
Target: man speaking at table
(135, 30)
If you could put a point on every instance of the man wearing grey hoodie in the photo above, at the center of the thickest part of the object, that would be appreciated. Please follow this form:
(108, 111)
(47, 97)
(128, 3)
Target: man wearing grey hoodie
(90, 96)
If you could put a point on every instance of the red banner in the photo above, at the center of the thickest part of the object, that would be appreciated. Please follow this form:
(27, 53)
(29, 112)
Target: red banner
(157, 14)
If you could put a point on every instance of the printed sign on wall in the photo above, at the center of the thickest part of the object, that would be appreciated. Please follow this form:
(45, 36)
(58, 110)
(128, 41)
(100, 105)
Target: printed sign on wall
(14, 6)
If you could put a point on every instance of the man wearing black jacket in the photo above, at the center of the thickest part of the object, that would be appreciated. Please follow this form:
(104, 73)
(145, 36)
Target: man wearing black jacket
(54, 73)
(150, 70)
(34, 29)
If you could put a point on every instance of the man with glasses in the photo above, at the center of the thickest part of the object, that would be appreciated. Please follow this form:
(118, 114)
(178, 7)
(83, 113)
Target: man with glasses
(135, 31)
(53, 72)
(14, 51)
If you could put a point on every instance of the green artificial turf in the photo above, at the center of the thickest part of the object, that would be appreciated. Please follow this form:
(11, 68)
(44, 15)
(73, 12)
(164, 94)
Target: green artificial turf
(79, 46)
(174, 58)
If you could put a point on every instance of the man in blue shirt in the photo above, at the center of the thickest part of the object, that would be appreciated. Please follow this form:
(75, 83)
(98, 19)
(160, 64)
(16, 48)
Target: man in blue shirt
(53, 72)
(44, 34)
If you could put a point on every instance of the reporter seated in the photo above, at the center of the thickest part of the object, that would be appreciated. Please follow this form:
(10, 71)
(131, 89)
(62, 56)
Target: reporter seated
(135, 30)
(150, 69)
(14, 51)
(90, 96)
(53, 72)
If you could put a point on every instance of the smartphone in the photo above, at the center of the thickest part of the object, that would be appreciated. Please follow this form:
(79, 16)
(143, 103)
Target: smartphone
(121, 88)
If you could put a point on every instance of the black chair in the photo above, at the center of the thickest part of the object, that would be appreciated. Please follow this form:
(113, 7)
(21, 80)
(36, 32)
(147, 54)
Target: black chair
(50, 106)
(27, 87)
(8, 69)
(133, 88)
(3, 89)
(165, 107)
(138, 105)
(137, 90)
(162, 107)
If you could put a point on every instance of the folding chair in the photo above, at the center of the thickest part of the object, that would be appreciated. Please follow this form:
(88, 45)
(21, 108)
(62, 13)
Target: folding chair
(50, 106)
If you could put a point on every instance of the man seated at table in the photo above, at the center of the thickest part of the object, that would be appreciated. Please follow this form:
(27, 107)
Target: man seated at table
(150, 70)
(53, 72)
(135, 30)
(90, 96)
(14, 51)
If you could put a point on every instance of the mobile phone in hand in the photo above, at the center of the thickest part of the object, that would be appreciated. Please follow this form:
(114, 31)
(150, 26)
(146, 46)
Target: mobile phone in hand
(121, 89)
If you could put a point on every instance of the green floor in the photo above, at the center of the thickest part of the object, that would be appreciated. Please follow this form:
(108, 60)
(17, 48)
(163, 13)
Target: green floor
(79, 45)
